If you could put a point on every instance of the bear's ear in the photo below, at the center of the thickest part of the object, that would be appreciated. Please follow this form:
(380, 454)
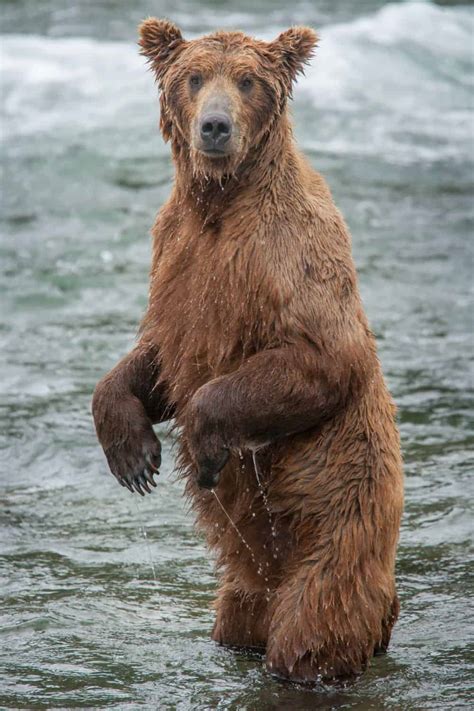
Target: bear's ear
(159, 40)
(293, 49)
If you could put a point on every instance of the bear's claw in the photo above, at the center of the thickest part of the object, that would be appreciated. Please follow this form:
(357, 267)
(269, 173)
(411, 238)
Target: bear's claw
(135, 468)
(139, 482)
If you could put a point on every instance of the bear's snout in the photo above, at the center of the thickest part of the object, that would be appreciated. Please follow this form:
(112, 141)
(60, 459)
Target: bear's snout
(215, 131)
(216, 123)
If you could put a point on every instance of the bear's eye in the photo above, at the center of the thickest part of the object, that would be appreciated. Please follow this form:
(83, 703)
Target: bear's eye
(246, 83)
(195, 81)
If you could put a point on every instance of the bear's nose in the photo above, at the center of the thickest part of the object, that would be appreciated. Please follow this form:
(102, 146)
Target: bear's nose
(215, 131)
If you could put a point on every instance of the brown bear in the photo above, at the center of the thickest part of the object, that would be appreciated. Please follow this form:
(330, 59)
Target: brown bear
(255, 341)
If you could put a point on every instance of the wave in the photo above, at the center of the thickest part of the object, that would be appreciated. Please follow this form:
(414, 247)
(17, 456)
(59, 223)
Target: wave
(51, 84)
(400, 81)
(396, 81)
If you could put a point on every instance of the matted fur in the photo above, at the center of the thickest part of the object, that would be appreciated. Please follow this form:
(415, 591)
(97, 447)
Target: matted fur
(255, 338)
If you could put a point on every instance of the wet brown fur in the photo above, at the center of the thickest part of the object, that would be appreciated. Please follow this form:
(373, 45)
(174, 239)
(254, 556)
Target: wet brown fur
(255, 339)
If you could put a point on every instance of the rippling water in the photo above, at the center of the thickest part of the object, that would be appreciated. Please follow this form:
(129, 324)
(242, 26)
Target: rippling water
(92, 615)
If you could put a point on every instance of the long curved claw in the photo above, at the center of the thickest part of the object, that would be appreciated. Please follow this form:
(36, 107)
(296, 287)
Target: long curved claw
(149, 477)
(143, 482)
(127, 484)
(137, 485)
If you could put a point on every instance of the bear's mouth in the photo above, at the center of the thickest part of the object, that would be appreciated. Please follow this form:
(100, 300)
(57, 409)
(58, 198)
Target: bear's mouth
(215, 153)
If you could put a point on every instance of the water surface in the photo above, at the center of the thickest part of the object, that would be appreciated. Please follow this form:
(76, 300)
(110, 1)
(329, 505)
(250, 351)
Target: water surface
(383, 113)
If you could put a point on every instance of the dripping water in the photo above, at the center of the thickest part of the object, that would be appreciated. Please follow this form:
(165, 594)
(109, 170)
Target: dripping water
(265, 503)
(245, 543)
(143, 530)
(234, 526)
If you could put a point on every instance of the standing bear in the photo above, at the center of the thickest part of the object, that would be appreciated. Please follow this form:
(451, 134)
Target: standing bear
(256, 343)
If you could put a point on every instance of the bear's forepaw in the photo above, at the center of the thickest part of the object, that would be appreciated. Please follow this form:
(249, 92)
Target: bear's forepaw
(134, 462)
(209, 467)
(205, 432)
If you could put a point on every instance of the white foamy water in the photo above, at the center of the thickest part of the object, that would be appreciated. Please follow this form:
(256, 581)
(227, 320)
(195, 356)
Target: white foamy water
(69, 84)
(402, 79)
(397, 81)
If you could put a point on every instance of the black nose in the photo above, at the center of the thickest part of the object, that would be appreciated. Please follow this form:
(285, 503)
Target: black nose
(215, 131)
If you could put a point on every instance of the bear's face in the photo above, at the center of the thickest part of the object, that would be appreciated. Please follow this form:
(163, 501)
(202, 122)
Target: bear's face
(222, 93)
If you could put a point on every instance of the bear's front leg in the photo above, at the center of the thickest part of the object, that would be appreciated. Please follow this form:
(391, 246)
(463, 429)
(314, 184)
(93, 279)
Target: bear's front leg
(274, 393)
(126, 403)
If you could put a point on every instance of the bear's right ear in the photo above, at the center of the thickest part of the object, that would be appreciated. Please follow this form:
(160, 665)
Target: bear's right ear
(160, 40)
(292, 50)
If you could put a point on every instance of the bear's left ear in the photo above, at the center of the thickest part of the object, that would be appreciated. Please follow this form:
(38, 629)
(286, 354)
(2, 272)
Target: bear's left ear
(160, 41)
(293, 49)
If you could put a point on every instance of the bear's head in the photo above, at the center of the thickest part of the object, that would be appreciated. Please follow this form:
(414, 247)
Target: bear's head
(222, 94)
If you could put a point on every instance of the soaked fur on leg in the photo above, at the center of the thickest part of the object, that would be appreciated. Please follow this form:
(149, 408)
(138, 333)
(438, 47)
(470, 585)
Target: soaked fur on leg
(242, 618)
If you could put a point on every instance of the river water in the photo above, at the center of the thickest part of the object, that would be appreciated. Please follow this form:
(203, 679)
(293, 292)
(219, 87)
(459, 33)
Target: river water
(94, 615)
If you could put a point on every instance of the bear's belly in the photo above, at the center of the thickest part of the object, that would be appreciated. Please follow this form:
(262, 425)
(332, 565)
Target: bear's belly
(354, 456)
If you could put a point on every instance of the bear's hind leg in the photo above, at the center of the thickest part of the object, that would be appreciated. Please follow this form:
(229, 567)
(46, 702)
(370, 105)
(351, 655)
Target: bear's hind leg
(337, 605)
(387, 626)
(241, 618)
(328, 624)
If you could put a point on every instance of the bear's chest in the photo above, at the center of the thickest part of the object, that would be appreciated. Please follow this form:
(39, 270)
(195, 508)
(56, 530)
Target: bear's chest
(216, 301)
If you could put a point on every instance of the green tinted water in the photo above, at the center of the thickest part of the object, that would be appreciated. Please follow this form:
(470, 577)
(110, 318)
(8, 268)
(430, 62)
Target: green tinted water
(383, 113)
